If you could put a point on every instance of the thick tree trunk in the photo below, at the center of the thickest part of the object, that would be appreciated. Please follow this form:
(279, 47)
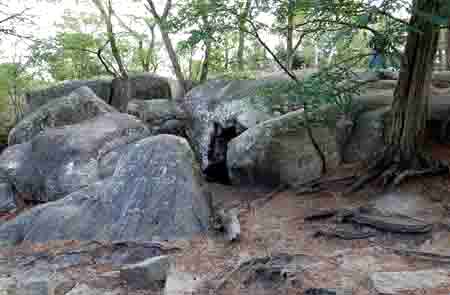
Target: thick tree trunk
(410, 105)
(121, 93)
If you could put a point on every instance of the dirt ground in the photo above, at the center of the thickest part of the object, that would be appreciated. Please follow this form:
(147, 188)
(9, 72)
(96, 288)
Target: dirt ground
(276, 229)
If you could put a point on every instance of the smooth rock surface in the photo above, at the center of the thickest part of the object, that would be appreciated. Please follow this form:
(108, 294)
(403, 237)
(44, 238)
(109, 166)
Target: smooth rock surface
(219, 110)
(78, 106)
(279, 151)
(154, 194)
(142, 86)
(162, 116)
(148, 274)
(62, 160)
(394, 282)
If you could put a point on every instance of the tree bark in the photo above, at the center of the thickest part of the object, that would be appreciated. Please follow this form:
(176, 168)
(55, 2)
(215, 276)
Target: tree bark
(411, 97)
(242, 31)
(205, 64)
(290, 51)
(162, 20)
(447, 53)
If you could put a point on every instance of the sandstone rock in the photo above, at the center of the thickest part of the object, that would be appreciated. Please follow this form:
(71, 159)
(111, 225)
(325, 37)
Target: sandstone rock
(154, 194)
(148, 274)
(162, 116)
(279, 151)
(422, 280)
(62, 160)
(80, 105)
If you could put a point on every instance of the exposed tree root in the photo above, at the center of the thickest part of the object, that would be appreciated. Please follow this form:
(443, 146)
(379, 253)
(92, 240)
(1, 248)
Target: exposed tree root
(392, 171)
(319, 185)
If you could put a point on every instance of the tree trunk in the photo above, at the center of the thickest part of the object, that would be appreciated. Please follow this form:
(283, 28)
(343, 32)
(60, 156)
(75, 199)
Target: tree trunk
(242, 31)
(121, 93)
(205, 64)
(161, 20)
(290, 34)
(410, 105)
(447, 53)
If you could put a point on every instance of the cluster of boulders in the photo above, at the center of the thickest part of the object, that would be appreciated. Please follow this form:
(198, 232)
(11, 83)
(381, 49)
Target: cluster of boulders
(97, 173)
(91, 172)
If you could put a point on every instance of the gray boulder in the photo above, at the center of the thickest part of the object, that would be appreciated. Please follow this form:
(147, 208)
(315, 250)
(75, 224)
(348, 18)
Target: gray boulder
(218, 111)
(368, 136)
(142, 86)
(148, 274)
(62, 160)
(162, 116)
(154, 194)
(80, 105)
(38, 98)
(149, 86)
(279, 151)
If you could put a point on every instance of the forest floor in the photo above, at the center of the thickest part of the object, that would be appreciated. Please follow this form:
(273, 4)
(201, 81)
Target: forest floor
(274, 228)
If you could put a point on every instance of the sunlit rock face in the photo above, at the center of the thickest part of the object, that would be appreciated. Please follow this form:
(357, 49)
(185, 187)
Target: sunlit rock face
(155, 194)
(60, 161)
(80, 105)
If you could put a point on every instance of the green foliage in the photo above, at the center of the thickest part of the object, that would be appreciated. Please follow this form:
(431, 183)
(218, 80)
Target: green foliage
(238, 75)
(331, 86)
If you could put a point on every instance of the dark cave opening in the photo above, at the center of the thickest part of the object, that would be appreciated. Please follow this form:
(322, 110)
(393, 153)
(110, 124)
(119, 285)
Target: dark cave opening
(217, 170)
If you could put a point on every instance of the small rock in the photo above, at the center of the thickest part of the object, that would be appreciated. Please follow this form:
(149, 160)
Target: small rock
(149, 274)
(394, 282)
(7, 286)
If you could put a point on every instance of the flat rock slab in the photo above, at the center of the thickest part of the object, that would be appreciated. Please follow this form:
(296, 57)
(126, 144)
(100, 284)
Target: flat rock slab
(394, 282)
(148, 274)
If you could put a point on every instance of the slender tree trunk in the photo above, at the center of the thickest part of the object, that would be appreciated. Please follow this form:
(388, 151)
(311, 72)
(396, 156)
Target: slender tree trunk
(410, 105)
(290, 34)
(162, 20)
(447, 53)
(242, 32)
(205, 64)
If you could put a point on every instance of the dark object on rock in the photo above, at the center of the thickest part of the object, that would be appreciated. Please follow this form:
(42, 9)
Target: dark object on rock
(154, 194)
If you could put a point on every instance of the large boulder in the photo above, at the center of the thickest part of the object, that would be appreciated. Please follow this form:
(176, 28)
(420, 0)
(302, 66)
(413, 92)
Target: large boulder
(218, 111)
(162, 116)
(80, 105)
(368, 135)
(62, 160)
(35, 99)
(149, 86)
(279, 151)
(141, 86)
(154, 194)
